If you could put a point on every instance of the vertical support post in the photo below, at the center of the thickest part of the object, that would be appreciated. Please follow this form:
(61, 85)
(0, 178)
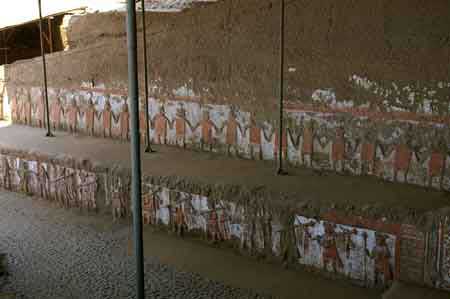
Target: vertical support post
(44, 68)
(133, 95)
(280, 170)
(148, 146)
(50, 34)
(5, 47)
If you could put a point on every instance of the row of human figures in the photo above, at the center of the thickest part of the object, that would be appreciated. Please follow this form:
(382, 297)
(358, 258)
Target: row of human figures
(259, 232)
(69, 187)
(306, 144)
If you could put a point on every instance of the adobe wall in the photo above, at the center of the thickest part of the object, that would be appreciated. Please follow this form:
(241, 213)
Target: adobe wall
(369, 252)
(368, 89)
(367, 94)
(227, 52)
(397, 147)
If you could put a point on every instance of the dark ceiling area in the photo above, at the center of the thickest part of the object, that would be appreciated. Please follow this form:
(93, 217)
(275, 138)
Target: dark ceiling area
(23, 42)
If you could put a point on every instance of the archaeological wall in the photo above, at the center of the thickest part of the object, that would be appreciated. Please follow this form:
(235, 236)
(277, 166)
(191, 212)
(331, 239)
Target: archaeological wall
(367, 93)
(367, 251)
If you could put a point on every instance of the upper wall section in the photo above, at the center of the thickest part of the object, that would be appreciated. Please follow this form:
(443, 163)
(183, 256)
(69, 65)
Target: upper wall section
(227, 52)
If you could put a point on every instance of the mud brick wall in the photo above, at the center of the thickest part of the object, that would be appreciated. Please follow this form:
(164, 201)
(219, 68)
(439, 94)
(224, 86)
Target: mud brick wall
(227, 53)
(395, 147)
(269, 228)
(368, 89)
(412, 254)
(368, 252)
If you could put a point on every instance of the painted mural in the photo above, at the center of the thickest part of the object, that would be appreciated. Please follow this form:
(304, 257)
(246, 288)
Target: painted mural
(441, 255)
(68, 186)
(327, 135)
(360, 254)
(370, 253)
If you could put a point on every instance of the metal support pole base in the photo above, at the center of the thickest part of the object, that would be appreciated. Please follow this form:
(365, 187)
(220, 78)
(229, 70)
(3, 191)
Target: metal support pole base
(149, 149)
(281, 172)
(49, 135)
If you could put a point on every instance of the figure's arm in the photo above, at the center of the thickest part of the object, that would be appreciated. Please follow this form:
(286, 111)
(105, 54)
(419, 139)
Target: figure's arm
(268, 137)
(98, 114)
(241, 129)
(295, 141)
(194, 128)
(170, 123)
(216, 128)
(115, 117)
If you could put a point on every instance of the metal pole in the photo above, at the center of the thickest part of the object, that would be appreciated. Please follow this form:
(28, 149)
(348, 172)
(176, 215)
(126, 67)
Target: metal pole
(133, 94)
(148, 146)
(280, 170)
(50, 35)
(5, 47)
(44, 68)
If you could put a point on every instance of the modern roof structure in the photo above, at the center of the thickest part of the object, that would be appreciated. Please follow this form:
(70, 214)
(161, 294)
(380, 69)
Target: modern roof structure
(19, 12)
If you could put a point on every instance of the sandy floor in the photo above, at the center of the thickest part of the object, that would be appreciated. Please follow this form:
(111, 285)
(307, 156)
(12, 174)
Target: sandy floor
(58, 253)
(405, 291)
(363, 192)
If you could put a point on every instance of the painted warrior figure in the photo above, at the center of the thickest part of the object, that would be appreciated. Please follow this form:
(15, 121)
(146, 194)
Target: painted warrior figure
(87, 187)
(368, 154)
(151, 207)
(382, 255)
(160, 126)
(19, 105)
(90, 116)
(303, 238)
(224, 230)
(213, 226)
(56, 111)
(232, 134)
(207, 127)
(15, 107)
(143, 124)
(180, 225)
(14, 176)
(43, 182)
(402, 159)
(25, 177)
(284, 145)
(330, 254)
(307, 144)
(6, 174)
(255, 140)
(72, 115)
(26, 118)
(107, 115)
(40, 113)
(125, 122)
(437, 160)
(2, 171)
(180, 127)
(338, 150)
(120, 198)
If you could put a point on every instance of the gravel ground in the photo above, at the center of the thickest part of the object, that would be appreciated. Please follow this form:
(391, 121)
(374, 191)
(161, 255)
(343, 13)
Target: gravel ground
(51, 254)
